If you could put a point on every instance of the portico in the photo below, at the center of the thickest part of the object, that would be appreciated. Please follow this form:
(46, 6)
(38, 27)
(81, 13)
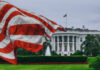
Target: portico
(64, 44)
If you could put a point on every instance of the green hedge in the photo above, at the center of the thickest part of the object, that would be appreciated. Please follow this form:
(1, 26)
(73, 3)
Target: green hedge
(52, 59)
(33, 59)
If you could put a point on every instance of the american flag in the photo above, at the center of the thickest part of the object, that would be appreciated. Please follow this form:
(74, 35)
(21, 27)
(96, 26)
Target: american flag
(19, 28)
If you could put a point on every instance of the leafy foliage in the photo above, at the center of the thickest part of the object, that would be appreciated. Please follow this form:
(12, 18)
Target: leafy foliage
(22, 51)
(54, 53)
(91, 45)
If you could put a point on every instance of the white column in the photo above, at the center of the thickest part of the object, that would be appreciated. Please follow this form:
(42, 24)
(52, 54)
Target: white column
(73, 50)
(68, 48)
(77, 43)
(58, 44)
(53, 43)
(62, 45)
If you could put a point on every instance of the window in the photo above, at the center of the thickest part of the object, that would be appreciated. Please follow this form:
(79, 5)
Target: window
(70, 38)
(75, 46)
(65, 46)
(65, 38)
(55, 38)
(56, 46)
(75, 43)
(60, 46)
(70, 45)
(81, 39)
(74, 38)
(60, 38)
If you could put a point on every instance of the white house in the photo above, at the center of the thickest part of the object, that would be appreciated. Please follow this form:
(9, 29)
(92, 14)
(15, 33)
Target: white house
(66, 43)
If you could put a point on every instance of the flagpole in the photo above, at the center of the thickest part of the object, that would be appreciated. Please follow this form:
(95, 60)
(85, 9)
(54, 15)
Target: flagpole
(65, 16)
(66, 21)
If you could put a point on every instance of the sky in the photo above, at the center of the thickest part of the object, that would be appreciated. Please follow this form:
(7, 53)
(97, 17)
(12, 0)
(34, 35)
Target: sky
(79, 12)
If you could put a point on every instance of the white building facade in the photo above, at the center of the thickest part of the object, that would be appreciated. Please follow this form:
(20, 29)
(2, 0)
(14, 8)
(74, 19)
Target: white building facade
(67, 43)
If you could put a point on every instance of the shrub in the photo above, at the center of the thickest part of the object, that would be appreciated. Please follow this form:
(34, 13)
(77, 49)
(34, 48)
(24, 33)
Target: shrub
(53, 53)
(95, 63)
(24, 52)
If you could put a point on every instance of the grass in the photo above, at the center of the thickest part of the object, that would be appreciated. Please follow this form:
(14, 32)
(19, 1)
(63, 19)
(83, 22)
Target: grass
(91, 59)
(45, 67)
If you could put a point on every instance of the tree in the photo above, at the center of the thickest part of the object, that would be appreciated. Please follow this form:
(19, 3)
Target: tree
(23, 52)
(91, 45)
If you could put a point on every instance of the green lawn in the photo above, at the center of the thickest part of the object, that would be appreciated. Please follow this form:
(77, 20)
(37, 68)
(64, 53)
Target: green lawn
(91, 59)
(45, 67)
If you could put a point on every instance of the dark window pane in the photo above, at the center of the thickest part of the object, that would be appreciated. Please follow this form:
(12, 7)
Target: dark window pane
(70, 38)
(70, 45)
(65, 38)
(75, 46)
(80, 39)
(56, 46)
(65, 46)
(60, 38)
(75, 39)
(55, 38)
(60, 46)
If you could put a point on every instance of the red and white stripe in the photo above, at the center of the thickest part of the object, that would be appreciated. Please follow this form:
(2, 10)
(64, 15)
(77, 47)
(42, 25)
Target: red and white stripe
(53, 25)
(50, 26)
(19, 28)
(6, 46)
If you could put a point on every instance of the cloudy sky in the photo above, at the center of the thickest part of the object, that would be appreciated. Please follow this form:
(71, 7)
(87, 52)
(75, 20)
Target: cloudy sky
(79, 12)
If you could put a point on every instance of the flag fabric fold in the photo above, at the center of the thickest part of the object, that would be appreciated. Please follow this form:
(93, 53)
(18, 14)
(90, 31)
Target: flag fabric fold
(53, 26)
(22, 29)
